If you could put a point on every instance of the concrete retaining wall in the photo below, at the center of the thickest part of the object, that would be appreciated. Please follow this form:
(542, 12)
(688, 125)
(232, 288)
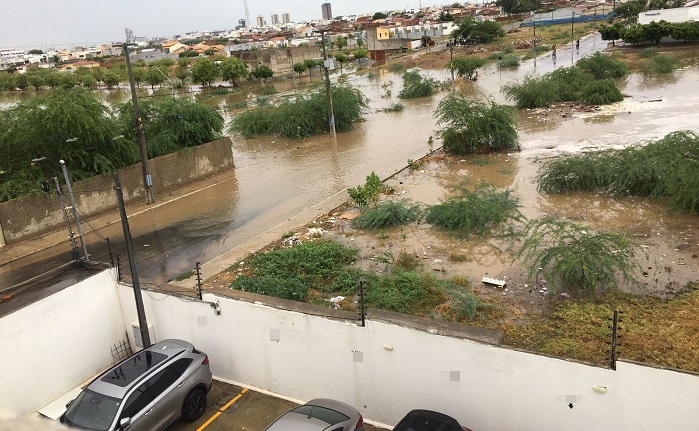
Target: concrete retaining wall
(33, 215)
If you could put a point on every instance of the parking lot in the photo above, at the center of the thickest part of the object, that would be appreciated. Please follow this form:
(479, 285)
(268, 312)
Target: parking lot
(234, 408)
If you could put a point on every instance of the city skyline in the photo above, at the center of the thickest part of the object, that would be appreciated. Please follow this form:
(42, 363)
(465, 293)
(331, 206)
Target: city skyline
(47, 23)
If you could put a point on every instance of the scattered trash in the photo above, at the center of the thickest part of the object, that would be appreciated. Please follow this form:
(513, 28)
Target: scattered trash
(336, 301)
(565, 295)
(494, 281)
(315, 232)
(438, 261)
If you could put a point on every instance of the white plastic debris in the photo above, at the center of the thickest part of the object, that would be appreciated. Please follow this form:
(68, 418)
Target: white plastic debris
(494, 281)
(315, 232)
(336, 301)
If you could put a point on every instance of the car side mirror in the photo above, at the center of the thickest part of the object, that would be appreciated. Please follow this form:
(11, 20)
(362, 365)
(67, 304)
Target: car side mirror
(124, 423)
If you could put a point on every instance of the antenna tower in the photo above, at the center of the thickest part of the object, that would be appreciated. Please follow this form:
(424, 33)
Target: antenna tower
(247, 13)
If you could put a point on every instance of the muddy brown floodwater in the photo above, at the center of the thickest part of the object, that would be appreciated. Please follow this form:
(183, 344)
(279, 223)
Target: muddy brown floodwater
(668, 241)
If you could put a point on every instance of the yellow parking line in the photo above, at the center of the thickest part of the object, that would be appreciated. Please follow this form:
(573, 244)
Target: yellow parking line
(228, 404)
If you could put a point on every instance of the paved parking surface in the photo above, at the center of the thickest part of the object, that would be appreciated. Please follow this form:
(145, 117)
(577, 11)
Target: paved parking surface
(234, 408)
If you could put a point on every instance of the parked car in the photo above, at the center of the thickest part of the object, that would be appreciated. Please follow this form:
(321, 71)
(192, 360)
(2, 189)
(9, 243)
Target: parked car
(318, 415)
(147, 391)
(427, 420)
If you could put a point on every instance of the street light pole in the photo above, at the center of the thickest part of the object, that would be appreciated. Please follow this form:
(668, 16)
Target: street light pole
(572, 36)
(147, 180)
(75, 211)
(331, 113)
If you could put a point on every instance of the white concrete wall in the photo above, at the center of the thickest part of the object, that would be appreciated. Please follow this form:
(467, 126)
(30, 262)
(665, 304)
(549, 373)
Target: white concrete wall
(485, 387)
(675, 15)
(59, 342)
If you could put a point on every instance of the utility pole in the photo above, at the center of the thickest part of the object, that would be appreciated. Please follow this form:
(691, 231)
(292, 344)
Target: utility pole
(147, 180)
(331, 113)
(142, 323)
(75, 211)
(572, 37)
(74, 253)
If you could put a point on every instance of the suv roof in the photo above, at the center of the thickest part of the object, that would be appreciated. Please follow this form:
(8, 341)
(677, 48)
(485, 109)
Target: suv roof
(116, 381)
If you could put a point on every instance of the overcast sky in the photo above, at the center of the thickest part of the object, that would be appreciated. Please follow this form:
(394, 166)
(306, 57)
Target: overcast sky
(27, 24)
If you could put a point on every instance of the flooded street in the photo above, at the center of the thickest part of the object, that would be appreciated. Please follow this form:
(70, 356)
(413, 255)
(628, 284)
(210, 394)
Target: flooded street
(278, 181)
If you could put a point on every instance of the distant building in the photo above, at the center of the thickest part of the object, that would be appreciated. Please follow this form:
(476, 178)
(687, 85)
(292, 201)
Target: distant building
(675, 15)
(260, 21)
(327, 11)
(242, 23)
(286, 18)
(275, 19)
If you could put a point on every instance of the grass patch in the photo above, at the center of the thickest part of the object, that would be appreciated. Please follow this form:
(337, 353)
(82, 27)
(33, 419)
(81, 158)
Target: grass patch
(660, 64)
(666, 168)
(388, 214)
(291, 272)
(508, 62)
(268, 90)
(185, 275)
(476, 212)
(578, 330)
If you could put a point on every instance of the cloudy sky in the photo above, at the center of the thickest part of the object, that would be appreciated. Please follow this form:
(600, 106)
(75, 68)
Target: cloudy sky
(26, 24)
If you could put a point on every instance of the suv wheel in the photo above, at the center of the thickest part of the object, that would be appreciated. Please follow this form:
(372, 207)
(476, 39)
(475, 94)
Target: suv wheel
(194, 405)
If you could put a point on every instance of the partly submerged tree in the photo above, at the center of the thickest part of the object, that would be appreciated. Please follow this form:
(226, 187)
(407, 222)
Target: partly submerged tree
(475, 126)
(573, 257)
(467, 67)
(205, 71)
(262, 72)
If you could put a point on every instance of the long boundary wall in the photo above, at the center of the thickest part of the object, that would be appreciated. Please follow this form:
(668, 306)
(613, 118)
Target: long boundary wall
(387, 369)
(384, 369)
(35, 214)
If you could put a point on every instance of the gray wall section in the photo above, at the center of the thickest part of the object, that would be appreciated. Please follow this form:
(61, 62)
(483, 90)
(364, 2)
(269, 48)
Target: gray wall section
(36, 214)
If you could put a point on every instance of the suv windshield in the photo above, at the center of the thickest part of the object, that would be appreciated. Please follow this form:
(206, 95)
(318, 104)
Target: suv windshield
(92, 411)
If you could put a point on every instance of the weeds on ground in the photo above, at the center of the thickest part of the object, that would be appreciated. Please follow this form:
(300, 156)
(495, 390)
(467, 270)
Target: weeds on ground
(185, 275)
(578, 330)
(474, 212)
(394, 107)
(388, 214)
(368, 193)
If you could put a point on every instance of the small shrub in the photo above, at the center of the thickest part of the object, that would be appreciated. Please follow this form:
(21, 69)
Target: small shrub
(405, 292)
(394, 107)
(532, 92)
(268, 90)
(185, 275)
(473, 213)
(406, 262)
(602, 66)
(368, 193)
(509, 49)
(388, 214)
(416, 85)
(601, 93)
(661, 64)
(648, 52)
(508, 62)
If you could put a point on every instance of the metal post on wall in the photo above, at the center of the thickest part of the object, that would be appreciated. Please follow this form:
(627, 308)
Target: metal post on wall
(197, 268)
(615, 337)
(362, 310)
(75, 210)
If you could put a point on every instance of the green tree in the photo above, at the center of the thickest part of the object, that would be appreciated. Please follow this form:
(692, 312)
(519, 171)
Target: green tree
(35, 77)
(474, 126)
(154, 77)
(140, 75)
(233, 69)
(111, 79)
(262, 72)
(656, 30)
(173, 123)
(299, 68)
(379, 15)
(7, 81)
(98, 74)
(360, 42)
(629, 10)
(467, 67)
(22, 81)
(633, 34)
(479, 31)
(359, 55)
(205, 71)
(67, 81)
(182, 72)
(685, 31)
(611, 32)
(61, 125)
(602, 66)
(341, 42)
(573, 257)
(518, 6)
(310, 65)
(35, 51)
(342, 59)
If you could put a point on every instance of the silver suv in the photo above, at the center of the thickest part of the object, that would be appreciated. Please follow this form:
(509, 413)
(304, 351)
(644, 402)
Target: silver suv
(148, 391)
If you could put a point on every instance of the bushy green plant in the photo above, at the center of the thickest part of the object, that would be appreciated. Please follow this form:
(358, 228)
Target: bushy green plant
(467, 67)
(648, 52)
(368, 193)
(508, 62)
(474, 212)
(603, 66)
(601, 93)
(290, 272)
(573, 257)
(660, 64)
(405, 292)
(666, 168)
(415, 85)
(532, 92)
(388, 214)
(304, 115)
(474, 126)
(569, 83)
